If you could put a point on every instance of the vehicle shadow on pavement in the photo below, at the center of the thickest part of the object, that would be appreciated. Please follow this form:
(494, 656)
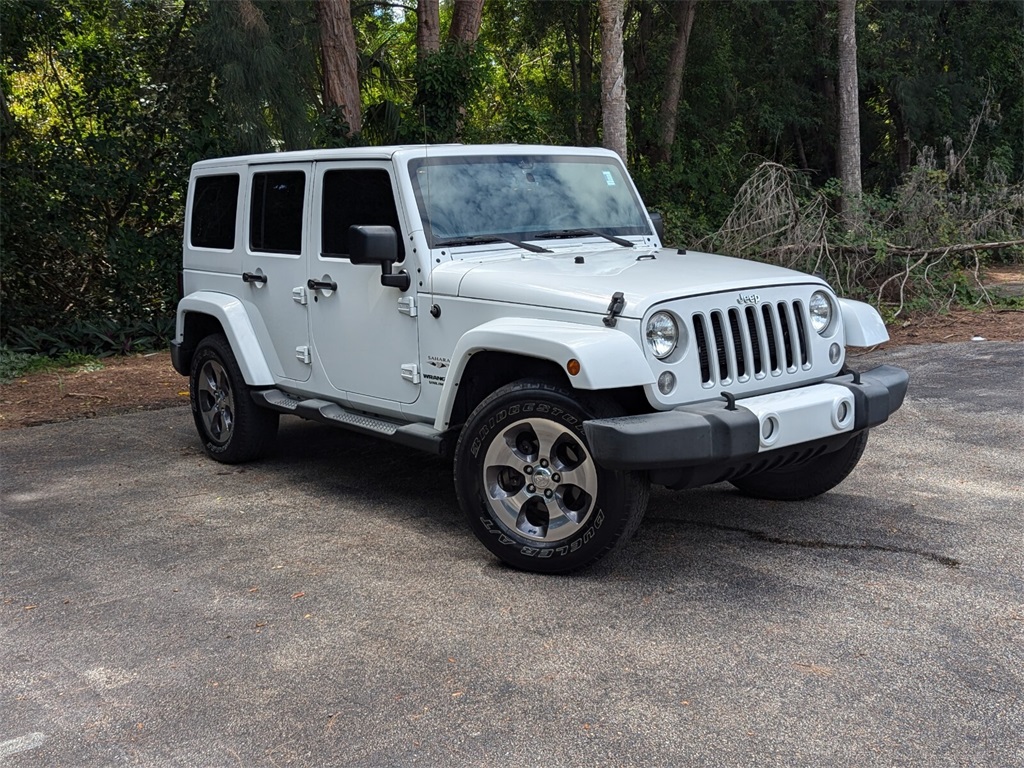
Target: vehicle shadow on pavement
(684, 532)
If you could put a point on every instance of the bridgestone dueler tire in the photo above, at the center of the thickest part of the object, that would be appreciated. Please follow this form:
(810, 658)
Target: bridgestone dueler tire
(804, 481)
(232, 427)
(529, 434)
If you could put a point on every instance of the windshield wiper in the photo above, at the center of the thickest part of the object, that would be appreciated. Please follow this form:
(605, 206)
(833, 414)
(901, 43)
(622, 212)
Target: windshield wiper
(482, 239)
(556, 233)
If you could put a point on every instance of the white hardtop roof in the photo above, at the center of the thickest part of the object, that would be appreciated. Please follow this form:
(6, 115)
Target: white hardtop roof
(397, 151)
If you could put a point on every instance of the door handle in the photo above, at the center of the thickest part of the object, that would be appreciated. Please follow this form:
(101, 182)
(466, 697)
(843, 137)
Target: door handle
(252, 277)
(324, 285)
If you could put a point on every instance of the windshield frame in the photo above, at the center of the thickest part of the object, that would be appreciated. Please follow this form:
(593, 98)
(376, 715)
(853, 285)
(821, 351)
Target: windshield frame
(435, 239)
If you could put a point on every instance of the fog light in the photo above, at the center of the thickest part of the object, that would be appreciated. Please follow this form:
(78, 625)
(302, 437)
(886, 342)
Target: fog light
(770, 430)
(833, 353)
(842, 414)
(666, 382)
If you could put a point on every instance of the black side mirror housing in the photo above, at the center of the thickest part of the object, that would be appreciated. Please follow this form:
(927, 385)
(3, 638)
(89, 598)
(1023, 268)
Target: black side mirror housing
(372, 245)
(377, 244)
(659, 225)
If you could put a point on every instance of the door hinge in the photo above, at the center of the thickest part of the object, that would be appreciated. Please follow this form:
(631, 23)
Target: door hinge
(303, 355)
(407, 306)
(299, 295)
(411, 373)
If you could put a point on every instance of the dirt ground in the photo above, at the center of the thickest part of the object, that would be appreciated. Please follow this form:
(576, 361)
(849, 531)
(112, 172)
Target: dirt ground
(147, 382)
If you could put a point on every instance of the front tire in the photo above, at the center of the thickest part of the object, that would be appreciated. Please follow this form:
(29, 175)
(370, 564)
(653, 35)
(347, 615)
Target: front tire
(232, 427)
(530, 488)
(804, 481)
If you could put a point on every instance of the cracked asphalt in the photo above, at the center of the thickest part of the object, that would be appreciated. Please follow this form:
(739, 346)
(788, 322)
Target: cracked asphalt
(329, 606)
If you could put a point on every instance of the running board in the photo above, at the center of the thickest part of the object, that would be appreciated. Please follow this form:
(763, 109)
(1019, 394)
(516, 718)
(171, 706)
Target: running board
(420, 436)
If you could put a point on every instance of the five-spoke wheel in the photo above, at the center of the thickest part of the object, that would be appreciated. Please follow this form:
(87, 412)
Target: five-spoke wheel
(540, 480)
(232, 427)
(530, 487)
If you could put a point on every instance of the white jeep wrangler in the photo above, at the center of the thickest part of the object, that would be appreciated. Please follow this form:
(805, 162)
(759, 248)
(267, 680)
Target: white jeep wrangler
(513, 307)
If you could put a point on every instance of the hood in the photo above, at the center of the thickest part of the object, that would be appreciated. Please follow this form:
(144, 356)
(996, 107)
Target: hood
(645, 278)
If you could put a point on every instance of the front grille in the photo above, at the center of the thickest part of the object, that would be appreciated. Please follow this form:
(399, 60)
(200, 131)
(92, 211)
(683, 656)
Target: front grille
(740, 343)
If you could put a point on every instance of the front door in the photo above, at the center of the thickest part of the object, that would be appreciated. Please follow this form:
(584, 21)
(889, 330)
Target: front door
(365, 334)
(274, 264)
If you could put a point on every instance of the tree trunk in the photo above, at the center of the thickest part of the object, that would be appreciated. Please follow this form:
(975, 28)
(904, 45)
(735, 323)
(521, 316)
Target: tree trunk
(428, 28)
(340, 62)
(613, 79)
(849, 108)
(466, 16)
(685, 11)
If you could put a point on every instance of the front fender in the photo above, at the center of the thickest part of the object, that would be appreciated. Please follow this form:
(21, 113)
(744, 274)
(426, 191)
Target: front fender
(609, 358)
(864, 326)
(231, 314)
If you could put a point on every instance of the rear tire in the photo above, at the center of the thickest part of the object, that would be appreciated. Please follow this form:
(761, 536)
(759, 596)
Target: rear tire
(232, 427)
(804, 481)
(529, 487)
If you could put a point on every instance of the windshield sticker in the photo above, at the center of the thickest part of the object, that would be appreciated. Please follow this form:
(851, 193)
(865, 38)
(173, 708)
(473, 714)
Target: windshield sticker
(609, 179)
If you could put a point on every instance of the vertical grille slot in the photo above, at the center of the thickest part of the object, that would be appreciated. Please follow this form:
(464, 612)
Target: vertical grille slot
(740, 343)
(801, 332)
(737, 344)
(787, 335)
(757, 359)
(772, 331)
(719, 334)
(700, 335)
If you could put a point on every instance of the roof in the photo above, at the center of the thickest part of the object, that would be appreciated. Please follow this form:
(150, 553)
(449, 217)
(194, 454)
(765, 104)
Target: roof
(390, 152)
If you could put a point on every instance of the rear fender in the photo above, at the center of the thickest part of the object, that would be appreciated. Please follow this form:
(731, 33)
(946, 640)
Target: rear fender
(231, 314)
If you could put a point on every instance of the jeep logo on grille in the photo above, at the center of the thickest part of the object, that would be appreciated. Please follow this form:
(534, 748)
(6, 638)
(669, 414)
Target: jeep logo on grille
(748, 298)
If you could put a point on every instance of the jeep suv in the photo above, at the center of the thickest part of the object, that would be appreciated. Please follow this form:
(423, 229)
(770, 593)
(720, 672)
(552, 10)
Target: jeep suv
(514, 308)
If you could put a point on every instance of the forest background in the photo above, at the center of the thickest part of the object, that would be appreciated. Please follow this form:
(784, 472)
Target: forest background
(729, 120)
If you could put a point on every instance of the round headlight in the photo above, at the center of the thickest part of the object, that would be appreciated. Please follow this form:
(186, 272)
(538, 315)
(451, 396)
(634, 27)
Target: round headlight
(820, 306)
(662, 334)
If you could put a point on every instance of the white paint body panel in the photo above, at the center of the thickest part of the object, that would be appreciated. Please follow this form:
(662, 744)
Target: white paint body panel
(608, 358)
(800, 415)
(864, 326)
(556, 280)
(237, 327)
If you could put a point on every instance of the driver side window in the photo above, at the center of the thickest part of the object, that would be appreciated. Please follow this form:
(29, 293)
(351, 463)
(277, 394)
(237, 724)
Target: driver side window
(357, 197)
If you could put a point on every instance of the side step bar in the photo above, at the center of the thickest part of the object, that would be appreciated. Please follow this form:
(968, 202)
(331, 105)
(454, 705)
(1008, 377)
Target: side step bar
(423, 437)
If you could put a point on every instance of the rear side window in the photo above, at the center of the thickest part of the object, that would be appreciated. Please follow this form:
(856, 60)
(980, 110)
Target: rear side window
(275, 221)
(214, 204)
(356, 197)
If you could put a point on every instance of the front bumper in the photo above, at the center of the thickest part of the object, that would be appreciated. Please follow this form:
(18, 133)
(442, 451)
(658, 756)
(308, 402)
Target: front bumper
(717, 432)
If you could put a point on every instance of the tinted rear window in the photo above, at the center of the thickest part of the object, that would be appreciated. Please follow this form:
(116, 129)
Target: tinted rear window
(214, 204)
(275, 222)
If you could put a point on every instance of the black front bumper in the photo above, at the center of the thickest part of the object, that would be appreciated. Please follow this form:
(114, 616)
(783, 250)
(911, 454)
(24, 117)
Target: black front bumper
(713, 433)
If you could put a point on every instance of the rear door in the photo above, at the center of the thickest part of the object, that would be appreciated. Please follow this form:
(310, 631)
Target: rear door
(365, 334)
(274, 264)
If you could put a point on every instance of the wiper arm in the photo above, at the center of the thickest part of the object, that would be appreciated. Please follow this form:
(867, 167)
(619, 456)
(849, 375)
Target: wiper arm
(579, 232)
(481, 239)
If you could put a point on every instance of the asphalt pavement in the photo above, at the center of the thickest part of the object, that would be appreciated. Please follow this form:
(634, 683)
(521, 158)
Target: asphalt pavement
(329, 607)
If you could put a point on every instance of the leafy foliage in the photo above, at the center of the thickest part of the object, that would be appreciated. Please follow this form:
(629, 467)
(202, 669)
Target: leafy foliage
(14, 364)
(105, 104)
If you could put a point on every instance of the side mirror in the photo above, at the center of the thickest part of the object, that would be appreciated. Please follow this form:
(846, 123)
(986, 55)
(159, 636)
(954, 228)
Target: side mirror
(377, 245)
(659, 225)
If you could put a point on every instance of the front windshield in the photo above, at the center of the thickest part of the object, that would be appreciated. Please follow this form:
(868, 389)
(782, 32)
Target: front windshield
(523, 197)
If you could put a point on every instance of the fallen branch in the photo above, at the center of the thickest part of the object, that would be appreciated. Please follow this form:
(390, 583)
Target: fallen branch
(81, 394)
